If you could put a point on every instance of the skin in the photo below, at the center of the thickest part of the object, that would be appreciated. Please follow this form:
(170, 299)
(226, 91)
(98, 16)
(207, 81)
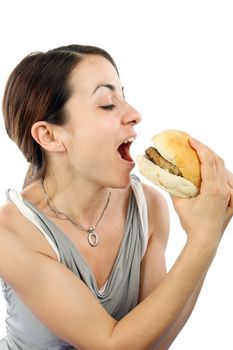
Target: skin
(166, 298)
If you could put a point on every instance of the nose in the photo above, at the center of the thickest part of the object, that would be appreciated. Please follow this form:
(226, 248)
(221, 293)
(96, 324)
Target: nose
(131, 115)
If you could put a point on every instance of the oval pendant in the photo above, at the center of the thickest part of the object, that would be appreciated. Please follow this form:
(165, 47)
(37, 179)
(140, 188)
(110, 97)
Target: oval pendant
(93, 238)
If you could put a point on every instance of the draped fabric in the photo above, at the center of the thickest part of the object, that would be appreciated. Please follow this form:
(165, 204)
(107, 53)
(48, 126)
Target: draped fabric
(119, 295)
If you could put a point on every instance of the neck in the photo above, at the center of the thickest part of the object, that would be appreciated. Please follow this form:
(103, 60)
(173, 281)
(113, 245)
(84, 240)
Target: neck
(80, 200)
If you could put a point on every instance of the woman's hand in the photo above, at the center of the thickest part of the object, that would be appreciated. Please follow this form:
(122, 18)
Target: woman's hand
(230, 202)
(206, 216)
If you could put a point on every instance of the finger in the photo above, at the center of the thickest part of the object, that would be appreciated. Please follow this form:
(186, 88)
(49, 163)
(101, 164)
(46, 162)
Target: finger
(210, 165)
(230, 202)
(229, 178)
(221, 172)
(203, 153)
(229, 213)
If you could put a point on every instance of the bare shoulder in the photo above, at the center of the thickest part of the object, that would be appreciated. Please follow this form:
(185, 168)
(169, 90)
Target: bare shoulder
(11, 219)
(8, 216)
(18, 233)
(158, 214)
(9, 241)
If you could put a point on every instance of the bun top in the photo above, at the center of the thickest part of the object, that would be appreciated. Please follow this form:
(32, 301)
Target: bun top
(174, 146)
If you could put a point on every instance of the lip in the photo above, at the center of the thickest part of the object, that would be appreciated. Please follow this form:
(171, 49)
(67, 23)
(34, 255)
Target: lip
(126, 163)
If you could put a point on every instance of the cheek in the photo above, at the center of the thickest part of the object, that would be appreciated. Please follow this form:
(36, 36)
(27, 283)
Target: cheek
(93, 142)
(94, 149)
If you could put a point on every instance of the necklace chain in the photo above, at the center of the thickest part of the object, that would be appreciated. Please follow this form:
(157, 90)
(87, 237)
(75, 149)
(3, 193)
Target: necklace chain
(92, 237)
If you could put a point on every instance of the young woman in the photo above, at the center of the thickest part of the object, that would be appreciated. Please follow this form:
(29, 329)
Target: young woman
(82, 248)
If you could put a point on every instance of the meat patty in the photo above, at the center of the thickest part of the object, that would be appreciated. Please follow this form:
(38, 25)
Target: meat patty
(156, 158)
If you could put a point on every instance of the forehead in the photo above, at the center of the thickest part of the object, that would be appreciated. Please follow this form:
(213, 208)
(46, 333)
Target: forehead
(93, 70)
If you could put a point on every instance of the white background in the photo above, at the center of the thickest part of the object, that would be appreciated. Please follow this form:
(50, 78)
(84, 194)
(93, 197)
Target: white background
(176, 63)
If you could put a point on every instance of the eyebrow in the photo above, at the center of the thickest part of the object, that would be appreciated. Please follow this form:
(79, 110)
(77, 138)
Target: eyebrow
(108, 86)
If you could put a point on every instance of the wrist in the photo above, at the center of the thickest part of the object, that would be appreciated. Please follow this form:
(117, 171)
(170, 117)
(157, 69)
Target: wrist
(202, 247)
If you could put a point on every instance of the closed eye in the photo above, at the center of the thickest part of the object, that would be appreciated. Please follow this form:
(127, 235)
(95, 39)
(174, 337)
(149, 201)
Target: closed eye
(108, 107)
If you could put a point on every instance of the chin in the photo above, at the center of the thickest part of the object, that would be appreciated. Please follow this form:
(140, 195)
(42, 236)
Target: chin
(120, 181)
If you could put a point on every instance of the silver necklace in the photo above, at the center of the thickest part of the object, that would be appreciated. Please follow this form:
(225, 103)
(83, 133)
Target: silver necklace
(92, 237)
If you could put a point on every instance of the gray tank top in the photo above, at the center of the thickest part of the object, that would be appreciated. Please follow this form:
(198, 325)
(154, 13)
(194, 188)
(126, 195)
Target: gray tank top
(118, 296)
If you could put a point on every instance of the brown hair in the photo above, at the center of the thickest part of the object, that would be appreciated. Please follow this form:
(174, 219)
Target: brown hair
(36, 90)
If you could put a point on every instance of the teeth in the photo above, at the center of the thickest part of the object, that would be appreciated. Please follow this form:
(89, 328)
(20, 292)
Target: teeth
(130, 139)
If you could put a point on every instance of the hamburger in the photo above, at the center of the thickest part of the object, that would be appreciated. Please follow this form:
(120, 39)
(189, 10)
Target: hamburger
(172, 164)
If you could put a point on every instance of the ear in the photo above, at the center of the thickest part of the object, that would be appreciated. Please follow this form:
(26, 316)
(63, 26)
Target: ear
(47, 136)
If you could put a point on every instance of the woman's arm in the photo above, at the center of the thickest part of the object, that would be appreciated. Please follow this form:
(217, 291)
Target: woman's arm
(66, 306)
(154, 270)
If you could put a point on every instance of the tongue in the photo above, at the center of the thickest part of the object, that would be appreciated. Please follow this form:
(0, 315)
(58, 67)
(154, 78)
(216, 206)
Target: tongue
(124, 152)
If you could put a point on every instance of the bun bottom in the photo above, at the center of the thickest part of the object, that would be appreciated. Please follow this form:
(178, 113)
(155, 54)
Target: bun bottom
(173, 184)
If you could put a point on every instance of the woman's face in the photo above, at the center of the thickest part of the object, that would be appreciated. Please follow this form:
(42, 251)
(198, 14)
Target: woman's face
(100, 121)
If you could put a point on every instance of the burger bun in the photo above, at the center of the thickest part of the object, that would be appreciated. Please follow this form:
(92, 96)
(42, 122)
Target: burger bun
(174, 146)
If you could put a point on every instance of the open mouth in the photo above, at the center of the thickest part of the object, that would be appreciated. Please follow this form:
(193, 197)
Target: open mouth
(124, 150)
